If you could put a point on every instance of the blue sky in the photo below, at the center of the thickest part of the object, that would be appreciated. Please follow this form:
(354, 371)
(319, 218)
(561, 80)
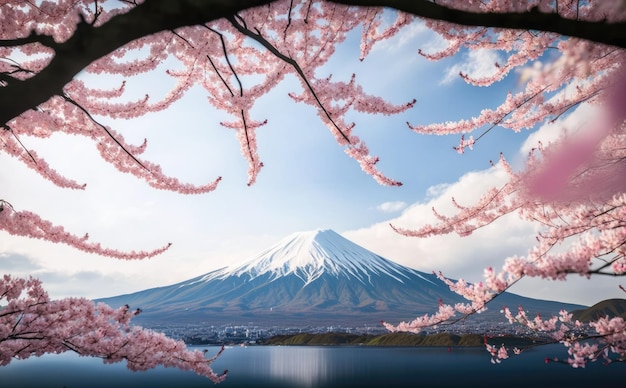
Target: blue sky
(307, 183)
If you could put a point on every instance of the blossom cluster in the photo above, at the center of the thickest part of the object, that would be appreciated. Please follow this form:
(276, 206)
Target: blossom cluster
(571, 189)
(215, 56)
(608, 343)
(31, 324)
(29, 224)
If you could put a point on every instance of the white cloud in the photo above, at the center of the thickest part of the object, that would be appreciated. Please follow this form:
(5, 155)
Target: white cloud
(436, 190)
(455, 256)
(436, 43)
(20, 264)
(391, 207)
(478, 63)
(467, 257)
(401, 41)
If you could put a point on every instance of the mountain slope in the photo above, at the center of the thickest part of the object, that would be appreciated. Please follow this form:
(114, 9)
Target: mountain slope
(610, 307)
(308, 278)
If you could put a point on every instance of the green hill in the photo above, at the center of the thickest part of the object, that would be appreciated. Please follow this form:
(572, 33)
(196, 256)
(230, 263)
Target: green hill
(318, 339)
(609, 307)
(393, 339)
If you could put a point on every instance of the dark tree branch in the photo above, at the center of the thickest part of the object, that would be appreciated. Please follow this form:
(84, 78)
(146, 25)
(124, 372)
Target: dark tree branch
(90, 43)
(613, 34)
(45, 40)
(232, 69)
(86, 112)
(230, 65)
(220, 75)
(7, 128)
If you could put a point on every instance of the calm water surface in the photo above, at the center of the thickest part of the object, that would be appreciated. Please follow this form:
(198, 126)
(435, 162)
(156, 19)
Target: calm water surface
(299, 366)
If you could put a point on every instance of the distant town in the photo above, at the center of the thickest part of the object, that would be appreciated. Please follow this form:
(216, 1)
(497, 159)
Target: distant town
(250, 334)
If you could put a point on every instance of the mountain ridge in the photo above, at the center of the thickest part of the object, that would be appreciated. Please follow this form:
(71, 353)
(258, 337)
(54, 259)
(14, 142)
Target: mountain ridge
(316, 277)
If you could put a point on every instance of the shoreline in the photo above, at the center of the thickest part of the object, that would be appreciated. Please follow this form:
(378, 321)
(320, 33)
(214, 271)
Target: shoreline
(386, 340)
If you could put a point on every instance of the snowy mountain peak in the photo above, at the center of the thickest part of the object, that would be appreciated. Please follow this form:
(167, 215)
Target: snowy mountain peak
(307, 278)
(309, 255)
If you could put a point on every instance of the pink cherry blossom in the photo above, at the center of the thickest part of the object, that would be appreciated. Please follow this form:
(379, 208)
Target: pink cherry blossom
(31, 325)
(571, 188)
(28, 224)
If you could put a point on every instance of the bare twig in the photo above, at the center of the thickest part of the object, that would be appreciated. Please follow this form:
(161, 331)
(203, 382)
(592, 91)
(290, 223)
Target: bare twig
(81, 108)
(8, 128)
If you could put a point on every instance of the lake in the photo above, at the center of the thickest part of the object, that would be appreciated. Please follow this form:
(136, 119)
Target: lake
(336, 366)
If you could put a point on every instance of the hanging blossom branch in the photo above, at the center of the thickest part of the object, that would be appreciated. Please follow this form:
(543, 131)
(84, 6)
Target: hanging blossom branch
(106, 130)
(320, 93)
(607, 343)
(119, 154)
(28, 224)
(14, 147)
(239, 24)
(592, 230)
(582, 212)
(31, 325)
(248, 140)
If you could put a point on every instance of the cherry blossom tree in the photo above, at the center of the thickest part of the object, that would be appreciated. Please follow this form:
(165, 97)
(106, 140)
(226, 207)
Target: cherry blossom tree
(566, 52)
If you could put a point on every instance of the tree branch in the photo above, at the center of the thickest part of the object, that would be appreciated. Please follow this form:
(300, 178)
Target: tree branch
(613, 34)
(260, 39)
(45, 40)
(93, 120)
(90, 43)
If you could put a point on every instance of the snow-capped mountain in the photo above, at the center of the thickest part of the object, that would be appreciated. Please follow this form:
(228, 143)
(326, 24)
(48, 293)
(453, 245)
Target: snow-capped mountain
(307, 278)
(311, 255)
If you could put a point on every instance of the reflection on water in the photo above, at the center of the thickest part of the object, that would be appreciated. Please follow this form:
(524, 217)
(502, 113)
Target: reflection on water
(296, 366)
(306, 368)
